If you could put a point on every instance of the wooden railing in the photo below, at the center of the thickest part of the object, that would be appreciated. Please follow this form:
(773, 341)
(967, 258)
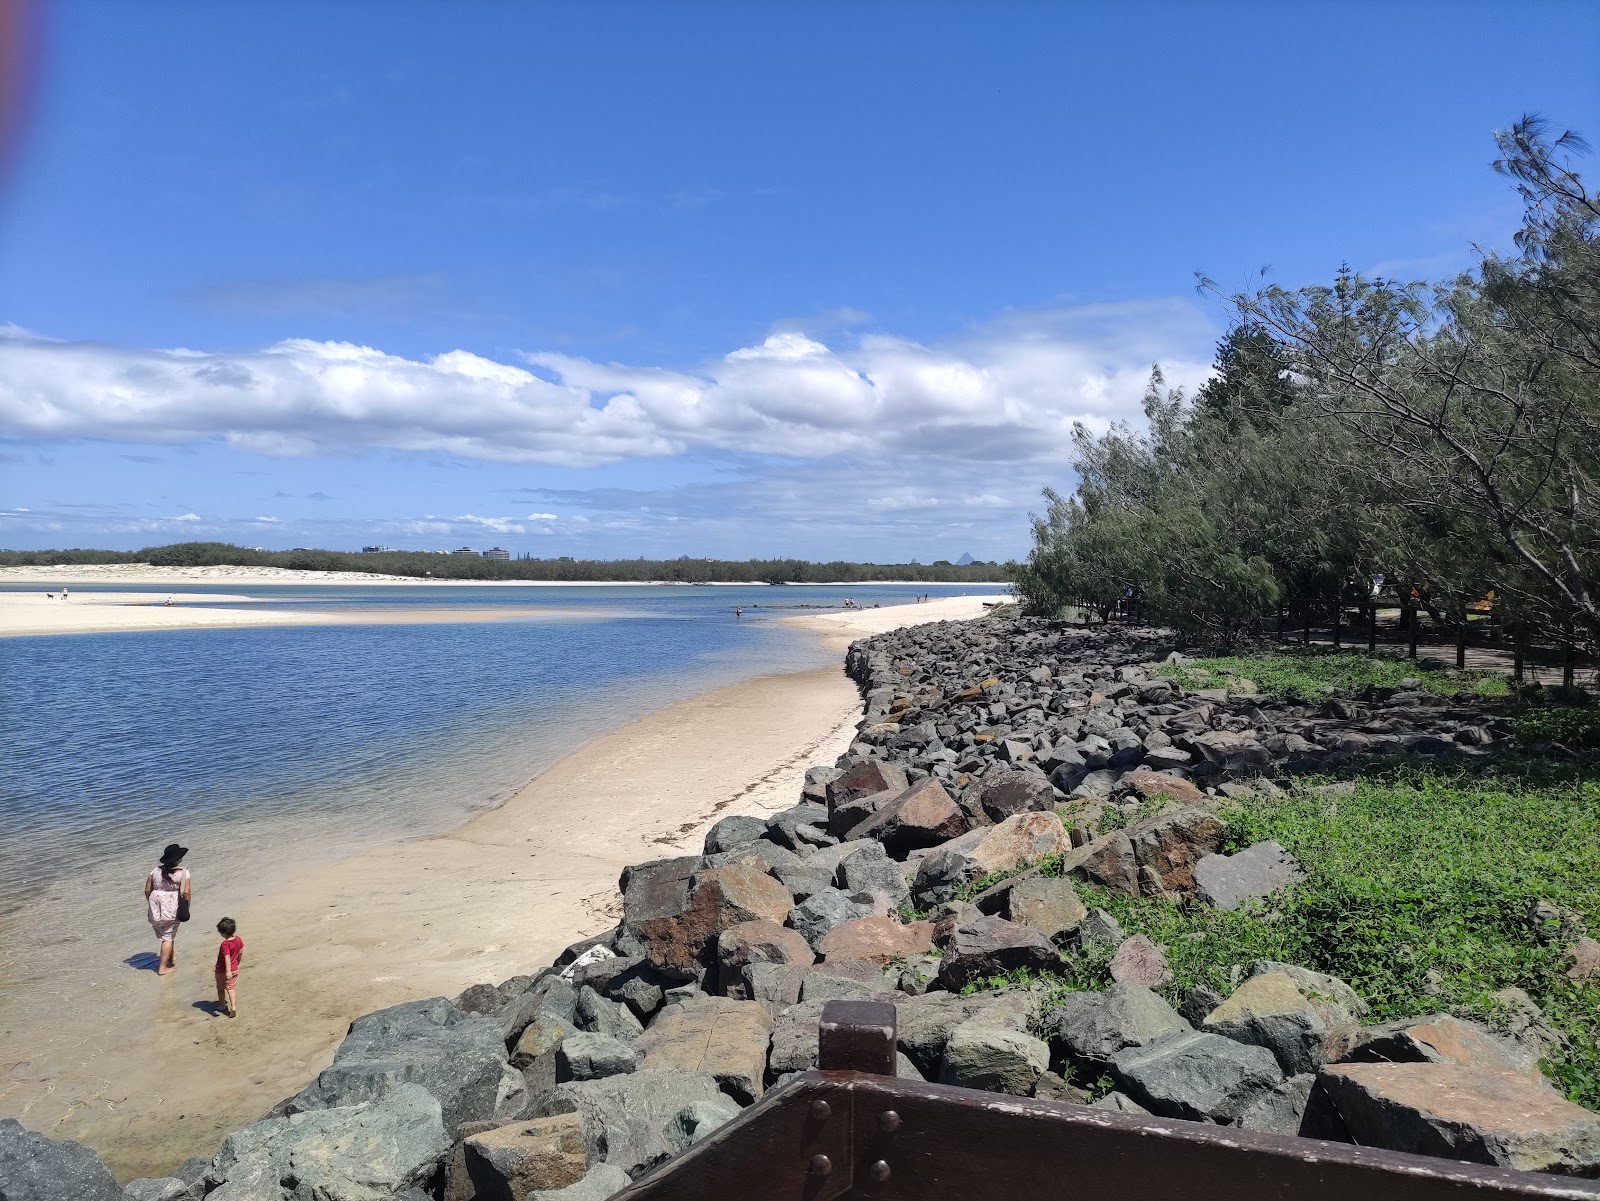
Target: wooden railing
(853, 1130)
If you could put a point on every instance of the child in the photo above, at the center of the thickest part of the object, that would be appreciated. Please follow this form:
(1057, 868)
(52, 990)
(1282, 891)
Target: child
(228, 956)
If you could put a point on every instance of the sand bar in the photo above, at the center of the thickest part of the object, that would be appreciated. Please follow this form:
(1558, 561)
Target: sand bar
(161, 1079)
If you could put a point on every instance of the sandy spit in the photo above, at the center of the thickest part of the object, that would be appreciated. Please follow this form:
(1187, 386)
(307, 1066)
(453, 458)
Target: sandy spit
(499, 895)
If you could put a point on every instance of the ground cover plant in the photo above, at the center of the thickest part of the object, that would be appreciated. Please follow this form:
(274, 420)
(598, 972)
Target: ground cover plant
(1310, 673)
(1423, 891)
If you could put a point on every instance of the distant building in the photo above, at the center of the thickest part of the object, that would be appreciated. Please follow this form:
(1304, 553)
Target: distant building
(496, 552)
(377, 550)
(463, 550)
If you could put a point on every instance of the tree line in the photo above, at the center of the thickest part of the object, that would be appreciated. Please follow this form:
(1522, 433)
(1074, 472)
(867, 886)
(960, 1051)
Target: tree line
(564, 569)
(1441, 438)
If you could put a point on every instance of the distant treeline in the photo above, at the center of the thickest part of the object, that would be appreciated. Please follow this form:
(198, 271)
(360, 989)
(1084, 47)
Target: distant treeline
(472, 567)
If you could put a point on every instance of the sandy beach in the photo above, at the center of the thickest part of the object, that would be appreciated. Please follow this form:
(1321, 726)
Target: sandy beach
(161, 1079)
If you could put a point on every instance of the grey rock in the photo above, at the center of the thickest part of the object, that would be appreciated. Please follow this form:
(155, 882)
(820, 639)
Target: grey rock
(733, 832)
(1282, 1109)
(871, 870)
(637, 1121)
(363, 1152)
(163, 1188)
(818, 914)
(802, 826)
(1229, 881)
(599, 1016)
(458, 1058)
(36, 1168)
(991, 946)
(848, 979)
(1314, 984)
(926, 1022)
(1302, 1032)
(1090, 1028)
(1196, 1076)
(601, 1181)
(1100, 927)
(1118, 1103)
(588, 1056)
(794, 1039)
(993, 1058)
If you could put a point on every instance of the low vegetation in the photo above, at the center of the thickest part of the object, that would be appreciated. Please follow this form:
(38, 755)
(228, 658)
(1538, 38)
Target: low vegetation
(1311, 673)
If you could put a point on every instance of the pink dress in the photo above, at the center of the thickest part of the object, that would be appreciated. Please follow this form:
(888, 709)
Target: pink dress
(163, 902)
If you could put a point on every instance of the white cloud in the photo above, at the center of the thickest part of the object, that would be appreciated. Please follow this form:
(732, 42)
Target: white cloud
(187, 517)
(540, 517)
(1006, 392)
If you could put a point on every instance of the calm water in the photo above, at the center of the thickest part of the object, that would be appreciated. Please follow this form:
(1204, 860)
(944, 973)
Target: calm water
(243, 741)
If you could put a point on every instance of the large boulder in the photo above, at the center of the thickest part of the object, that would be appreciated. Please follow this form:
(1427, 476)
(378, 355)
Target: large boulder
(870, 870)
(1152, 784)
(1234, 753)
(818, 914)
(864, 779)
(601, 1182)
(457, 1058)
(1048, 904)
(921, 816)
(879, 939)
(638, 1121)
(365, 1152)
(795, 1039)
(677, 914)
(1015, 843)
(1282, 1110)
(1440, 1038)
(587, 1056)
(760, 941)
(1090, 1028)
(734, 831)
(1006, 794)
(1302, 1030)
(36, 1168)
(1229, 881)
(991, 946)
(512, 1161)
(926, 1022)
(1196, 1076)
(1108, 861)
(993, 1058)
(1139, 961)
(1170, 844)
(1460, 1112)
(715, 1036)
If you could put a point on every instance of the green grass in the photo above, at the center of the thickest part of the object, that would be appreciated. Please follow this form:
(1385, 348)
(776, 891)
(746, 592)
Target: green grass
(1574, 728)
(1314, 672)
(1418, 893)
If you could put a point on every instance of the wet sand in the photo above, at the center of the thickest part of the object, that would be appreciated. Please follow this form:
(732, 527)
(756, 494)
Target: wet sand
(154, 1078)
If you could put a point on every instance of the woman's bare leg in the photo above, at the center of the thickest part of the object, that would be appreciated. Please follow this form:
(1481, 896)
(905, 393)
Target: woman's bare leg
(164, 960)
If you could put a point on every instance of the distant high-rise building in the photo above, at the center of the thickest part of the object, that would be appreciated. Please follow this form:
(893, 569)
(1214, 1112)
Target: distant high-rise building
(497, 552)
(377, 550)
(463, 550)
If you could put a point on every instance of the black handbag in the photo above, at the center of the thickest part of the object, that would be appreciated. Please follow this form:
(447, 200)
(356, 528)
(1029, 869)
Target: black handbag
(183, 905)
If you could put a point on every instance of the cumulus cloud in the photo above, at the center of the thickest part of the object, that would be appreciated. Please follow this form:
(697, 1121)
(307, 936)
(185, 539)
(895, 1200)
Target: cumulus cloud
(1009, 391)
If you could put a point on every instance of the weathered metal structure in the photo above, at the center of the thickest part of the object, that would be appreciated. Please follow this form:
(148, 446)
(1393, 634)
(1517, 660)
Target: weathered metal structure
(853, 1130)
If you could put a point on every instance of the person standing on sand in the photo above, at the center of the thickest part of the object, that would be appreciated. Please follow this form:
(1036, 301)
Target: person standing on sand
(229, 956)
(168, 892)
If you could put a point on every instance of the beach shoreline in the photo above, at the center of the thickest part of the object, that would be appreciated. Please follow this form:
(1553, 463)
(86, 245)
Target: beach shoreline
(495, 896)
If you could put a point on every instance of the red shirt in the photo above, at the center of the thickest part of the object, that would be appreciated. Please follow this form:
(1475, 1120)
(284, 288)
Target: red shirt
(229, 954)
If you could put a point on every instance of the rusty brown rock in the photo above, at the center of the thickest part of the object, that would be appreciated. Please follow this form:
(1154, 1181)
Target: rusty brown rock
(1583, 960)
(866, 777)
(1440, 1038)
(1109, 861)
(878, 939)
(1139, 961)
(1458, 1112)
(1152, 784)
(1012, 792)
(1170, 844)
(760, 941)
(715, 900)
(514, 1160)
(921, 816)
(1016, 842)
(719, 1036)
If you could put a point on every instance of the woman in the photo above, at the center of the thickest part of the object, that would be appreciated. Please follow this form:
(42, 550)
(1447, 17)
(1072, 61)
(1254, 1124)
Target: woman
(163, 888)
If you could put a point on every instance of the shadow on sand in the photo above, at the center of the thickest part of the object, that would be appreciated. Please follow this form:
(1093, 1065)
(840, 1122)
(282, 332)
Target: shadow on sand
(144, 961)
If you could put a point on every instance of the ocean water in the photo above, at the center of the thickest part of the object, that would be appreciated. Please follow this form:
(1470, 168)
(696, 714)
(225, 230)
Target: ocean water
(257, 744)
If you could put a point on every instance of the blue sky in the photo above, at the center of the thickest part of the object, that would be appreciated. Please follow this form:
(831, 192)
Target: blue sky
(826, 280)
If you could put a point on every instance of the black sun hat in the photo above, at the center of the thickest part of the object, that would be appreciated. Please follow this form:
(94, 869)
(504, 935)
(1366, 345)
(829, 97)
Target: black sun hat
(174, 853)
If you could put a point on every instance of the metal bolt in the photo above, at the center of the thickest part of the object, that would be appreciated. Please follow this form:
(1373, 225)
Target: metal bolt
(888, 1121)
(879, 1171)
(821, 1165)
(820, 1110)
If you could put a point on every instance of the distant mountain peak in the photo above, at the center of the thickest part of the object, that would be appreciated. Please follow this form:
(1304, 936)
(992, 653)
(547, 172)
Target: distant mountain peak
(965, 560)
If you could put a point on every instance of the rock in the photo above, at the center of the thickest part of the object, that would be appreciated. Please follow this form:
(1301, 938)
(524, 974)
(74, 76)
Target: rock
(866, 778)
(586, 1056)
(992, 946)
(1017, 842)
(1152, 784)
(874, 872)
(1140, 961)
(1196, 1076)
(599, 1016)
(637, 1121)
(816, 915)
(601, 1181)
(550, 994)
(678, 915)
(778, 983)
(1100, 927)
(458, 1058)
(1583, 960)
(481, 998)
(1118, 1103)
(847, 815)
(1440, 1038)
(760, 941)
(1008, 793)
(794, 1039)
(1302, 1032)
(1170, 844)
(847, 980)
(878, 939)
(1229, 751)
(164, 1188)
(36, 1168)
(1458, 1112)
(1314, 984)
(641, 987)
(801, 827)
(511, 1161)
(926, 1022)
(734, 831)
(1282, 1109)
(373, 1149)
(1047, 904)
(921, 816)
(715, 1036)
(1229, 881)
(1198, 1002)
(537, 1049)
(993, 1058)
(1108, 861)
(1090, 1028)
(1526, 1025)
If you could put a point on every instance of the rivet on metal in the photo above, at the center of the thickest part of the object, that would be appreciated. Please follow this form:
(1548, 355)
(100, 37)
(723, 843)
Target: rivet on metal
(888, 1121)
(821, 1165)
(821, 1110)
(879, 1171)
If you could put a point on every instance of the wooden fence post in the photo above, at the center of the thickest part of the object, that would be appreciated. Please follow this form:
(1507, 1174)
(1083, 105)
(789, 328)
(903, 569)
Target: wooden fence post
(1338, 612)
(1372, 624)
(1461, 641)
(1411, 626)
